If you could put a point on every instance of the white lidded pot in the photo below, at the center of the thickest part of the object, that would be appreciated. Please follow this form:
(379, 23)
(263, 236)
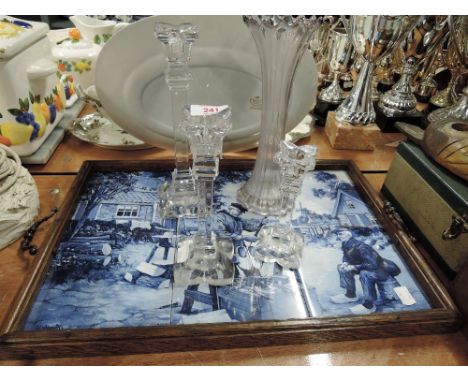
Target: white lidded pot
(31, 96)
(97, 31)
(76, 56)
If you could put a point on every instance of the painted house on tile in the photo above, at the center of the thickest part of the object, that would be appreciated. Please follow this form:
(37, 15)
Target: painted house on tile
(313, 224)
(351, 211)
(139, 207)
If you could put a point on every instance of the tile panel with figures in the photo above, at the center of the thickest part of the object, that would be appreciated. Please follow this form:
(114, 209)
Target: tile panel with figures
(113, 266)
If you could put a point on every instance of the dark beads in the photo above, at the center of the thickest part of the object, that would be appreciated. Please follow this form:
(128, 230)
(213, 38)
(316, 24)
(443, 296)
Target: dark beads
(29, 234)
(25, 244)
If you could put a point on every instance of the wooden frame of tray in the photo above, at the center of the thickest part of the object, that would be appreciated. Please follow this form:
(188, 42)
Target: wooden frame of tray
(17, 343)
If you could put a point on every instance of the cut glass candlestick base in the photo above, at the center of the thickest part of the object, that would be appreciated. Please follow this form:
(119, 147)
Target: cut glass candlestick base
(280, 243)
(208, 263)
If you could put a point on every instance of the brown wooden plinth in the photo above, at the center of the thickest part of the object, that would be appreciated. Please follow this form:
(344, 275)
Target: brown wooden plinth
(345, 136)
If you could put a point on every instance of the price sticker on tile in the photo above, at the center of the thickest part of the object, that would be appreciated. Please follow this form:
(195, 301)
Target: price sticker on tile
(203, 110)
(404, 295)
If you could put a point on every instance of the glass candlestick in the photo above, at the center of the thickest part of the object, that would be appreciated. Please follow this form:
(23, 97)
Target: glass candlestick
(280, 242)
(178, 197)
(209, 258)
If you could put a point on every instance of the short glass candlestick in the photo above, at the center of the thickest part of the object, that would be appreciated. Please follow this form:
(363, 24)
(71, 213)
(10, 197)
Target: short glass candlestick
(209, 259)
(178, 197)
(279, 242)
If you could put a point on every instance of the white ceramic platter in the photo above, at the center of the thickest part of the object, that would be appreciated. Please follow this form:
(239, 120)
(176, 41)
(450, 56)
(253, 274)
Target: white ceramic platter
(225, 67)
(95, 129)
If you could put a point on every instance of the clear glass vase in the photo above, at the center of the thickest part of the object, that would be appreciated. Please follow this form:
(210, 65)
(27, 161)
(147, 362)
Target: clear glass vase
(281, 42)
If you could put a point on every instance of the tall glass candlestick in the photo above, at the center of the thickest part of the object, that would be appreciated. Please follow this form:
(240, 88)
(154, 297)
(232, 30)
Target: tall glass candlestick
(210, 257)
(280, 242)
(178, 197)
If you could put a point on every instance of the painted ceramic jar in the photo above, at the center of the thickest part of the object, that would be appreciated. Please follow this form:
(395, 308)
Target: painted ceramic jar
(97, 31)
(76, 58)
(31, 95)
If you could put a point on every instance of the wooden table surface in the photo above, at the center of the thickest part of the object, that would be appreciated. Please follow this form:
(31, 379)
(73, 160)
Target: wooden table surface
(54, 180)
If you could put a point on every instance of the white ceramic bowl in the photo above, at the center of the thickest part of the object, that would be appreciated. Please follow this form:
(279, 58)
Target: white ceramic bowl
(225, 67)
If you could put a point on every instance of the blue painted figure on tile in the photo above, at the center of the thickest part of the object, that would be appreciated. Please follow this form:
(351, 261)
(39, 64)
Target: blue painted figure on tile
(375, 273)
(88, 287)
(229, 224)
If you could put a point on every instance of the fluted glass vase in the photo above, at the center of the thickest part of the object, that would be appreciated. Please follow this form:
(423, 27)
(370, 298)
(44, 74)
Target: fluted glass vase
(281, 42)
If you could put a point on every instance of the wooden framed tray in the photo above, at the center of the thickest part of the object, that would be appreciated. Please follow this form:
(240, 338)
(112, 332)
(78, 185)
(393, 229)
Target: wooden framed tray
(103, 284)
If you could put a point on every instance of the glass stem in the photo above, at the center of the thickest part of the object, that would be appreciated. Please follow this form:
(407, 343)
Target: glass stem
(288, 201)
(205, 208)
(181, 151)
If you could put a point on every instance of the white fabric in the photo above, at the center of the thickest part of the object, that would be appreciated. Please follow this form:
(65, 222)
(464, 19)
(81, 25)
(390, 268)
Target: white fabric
(19, 205)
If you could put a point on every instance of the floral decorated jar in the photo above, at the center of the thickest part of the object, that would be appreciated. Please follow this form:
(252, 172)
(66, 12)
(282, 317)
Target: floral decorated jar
(97, 31)
(76, 58)
(31, 95)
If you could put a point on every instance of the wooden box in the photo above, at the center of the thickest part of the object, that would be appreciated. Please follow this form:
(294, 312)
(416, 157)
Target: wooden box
(429, 198)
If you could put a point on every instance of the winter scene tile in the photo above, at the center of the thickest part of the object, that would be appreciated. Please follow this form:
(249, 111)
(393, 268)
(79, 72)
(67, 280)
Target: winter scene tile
(114, 264)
